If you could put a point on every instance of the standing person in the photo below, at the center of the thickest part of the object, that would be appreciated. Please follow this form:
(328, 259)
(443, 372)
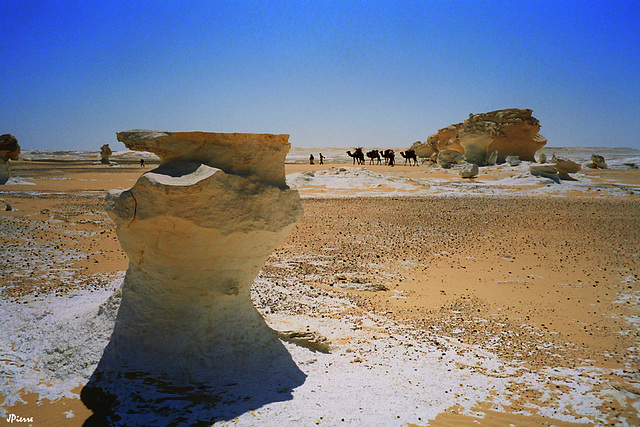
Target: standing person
(142, 163)
(321, 159)
(311, 159)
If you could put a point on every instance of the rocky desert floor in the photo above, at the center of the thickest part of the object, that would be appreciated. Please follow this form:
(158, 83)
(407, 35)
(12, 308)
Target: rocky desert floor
(547, 285)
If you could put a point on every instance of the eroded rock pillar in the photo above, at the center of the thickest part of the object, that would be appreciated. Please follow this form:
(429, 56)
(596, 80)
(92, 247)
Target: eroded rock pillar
(197, 230)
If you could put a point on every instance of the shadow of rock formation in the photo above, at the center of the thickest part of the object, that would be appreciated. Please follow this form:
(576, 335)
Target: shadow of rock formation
(188, 346)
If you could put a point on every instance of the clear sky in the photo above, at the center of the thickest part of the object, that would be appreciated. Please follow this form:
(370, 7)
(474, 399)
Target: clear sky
(329, 73)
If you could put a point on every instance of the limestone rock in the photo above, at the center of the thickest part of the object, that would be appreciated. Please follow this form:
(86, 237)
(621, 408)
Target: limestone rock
(105, 154)
(197, 230)
(470, 170)
(512, 160)
(597, 162)
(243, 154)
(545, 171)
(565, 167)
(9, 147)
(448, 158)
(424, 149)
(542, 158)
(9, 150)
(509, 132)
(492, 158)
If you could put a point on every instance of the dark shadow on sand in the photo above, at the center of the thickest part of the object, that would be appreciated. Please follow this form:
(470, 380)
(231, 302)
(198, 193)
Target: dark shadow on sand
(137, 399)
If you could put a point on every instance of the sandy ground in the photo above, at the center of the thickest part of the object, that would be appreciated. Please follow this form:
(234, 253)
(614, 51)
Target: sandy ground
(542, 282)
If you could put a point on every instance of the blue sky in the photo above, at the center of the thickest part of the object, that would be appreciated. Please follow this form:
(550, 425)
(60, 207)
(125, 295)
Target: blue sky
(330, 74)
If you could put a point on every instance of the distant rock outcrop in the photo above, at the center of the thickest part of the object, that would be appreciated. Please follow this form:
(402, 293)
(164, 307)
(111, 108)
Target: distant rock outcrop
(510, 132)
(197, 230)
(9, 150)
(105, 154)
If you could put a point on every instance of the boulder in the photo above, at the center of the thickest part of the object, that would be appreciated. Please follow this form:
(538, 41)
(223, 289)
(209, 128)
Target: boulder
(542, 158)
(512, 160)
(509, 132)
(448, 158)
(545, 171)
(492, 158)
(470, 170)
(565, 167)
(9, 147)
(597, 162)
(9, 150)
(197, 230)
(105, 154)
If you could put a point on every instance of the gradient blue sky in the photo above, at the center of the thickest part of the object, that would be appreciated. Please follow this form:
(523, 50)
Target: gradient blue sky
(330, 74)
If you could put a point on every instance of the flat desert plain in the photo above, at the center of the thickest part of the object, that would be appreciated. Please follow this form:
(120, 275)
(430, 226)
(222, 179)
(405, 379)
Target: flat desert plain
(427, 299)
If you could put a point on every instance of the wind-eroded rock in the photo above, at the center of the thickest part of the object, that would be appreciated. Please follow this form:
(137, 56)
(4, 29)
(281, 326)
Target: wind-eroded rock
(510, 132)
(197, 230)
(105, 154)
(448, 158)
(545, 171)
(9, 150)
(470, 170)
(424, 149)
(597, 162)
(565, 167)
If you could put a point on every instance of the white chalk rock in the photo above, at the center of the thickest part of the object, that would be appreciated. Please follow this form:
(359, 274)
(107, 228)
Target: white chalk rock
(197, 230)
(470, 170)
(512, 160)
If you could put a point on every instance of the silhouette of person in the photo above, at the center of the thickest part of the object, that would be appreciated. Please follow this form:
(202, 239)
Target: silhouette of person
(311, 159)
(142, 163)
(321, 159)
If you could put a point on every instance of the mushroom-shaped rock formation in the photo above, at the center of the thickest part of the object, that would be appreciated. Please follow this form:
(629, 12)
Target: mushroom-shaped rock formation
(9, 150)
(510, 132)
(197, 230)
(105, 154)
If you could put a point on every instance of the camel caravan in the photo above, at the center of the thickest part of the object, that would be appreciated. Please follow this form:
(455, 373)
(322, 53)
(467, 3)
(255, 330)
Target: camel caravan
(379, 156)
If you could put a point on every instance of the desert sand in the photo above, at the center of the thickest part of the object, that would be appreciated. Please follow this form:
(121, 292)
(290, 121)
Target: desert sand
(433, 299)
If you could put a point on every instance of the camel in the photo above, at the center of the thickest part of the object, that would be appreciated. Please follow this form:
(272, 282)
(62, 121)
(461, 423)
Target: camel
(357, 156)
(409, 155)
(389, 157)
(374, 155)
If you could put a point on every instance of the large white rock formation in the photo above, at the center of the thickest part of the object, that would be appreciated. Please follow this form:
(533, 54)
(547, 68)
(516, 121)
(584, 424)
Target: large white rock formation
(197, 230)
(509, 132)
